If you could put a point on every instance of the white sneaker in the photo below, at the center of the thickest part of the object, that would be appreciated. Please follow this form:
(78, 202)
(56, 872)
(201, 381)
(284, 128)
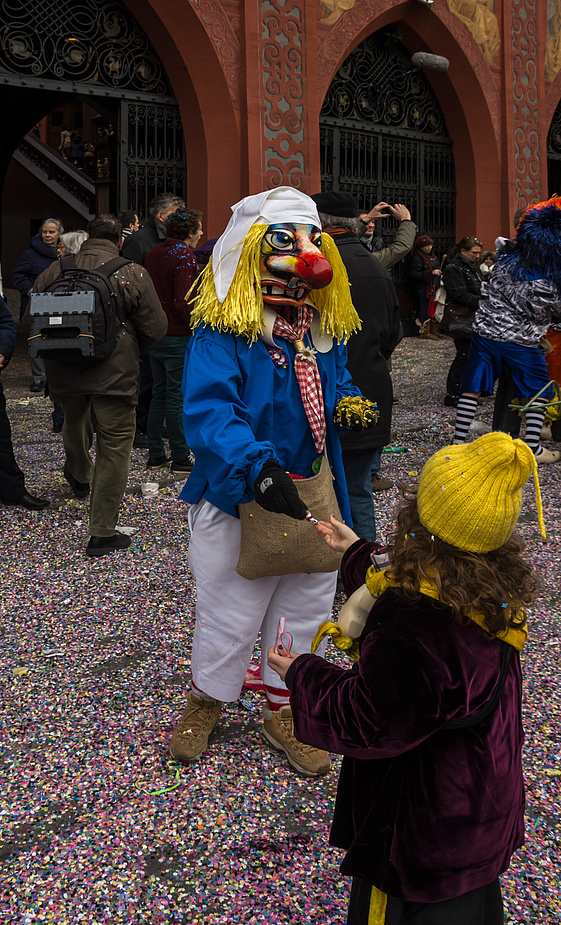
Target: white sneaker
(478, 428)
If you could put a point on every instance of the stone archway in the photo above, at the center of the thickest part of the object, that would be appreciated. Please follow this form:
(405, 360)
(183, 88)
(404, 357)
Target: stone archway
(383, 136)
(554, 153)
(96, 51)
(467, 94)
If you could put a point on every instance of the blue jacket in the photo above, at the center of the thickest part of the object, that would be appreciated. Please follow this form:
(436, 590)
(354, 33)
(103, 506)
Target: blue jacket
(32, 262)
(7, 332)
(240, 409)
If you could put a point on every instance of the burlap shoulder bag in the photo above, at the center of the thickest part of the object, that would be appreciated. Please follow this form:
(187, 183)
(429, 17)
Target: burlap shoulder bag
(274, 544)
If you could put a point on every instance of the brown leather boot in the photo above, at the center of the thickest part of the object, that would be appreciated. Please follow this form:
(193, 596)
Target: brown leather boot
(425, 331)
(278, 731)
(190, 736)
(434, 329)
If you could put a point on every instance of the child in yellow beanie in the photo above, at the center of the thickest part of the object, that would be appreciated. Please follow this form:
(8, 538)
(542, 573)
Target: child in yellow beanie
(430, 802)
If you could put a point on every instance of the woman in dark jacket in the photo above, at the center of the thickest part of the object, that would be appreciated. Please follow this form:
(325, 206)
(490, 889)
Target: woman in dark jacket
(425, 276)
(462, 280)
(40, 254)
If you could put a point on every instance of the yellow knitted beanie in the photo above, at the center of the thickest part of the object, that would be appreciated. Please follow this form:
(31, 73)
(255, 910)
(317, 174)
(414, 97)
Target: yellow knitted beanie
(470, 495)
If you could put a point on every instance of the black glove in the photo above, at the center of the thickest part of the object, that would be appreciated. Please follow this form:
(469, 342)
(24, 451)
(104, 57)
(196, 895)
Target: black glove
(276, 492)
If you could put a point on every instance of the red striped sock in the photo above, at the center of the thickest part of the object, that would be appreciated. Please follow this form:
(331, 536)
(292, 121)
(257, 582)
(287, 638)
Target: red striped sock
(277, 697)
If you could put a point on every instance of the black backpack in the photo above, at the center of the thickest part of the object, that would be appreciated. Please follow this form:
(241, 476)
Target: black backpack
(75, 318)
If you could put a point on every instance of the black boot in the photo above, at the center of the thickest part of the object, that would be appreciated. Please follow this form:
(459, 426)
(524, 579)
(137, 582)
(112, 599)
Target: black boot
(102, 545)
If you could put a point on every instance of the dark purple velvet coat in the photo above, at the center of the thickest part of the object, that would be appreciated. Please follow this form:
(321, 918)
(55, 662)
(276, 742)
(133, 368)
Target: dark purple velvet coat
(425, 814)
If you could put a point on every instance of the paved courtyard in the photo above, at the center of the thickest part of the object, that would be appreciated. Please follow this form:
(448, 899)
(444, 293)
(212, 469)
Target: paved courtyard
(98, 825)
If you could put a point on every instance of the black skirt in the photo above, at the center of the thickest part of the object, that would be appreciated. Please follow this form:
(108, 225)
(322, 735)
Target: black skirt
(483, 906)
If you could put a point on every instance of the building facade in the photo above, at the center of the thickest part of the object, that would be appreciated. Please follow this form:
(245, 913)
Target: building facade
(306, 93)
(260, 73)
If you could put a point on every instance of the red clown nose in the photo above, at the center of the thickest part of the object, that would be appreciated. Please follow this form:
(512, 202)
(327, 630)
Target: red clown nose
(314, 269)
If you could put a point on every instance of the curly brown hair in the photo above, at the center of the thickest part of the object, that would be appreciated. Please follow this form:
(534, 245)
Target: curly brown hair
(465, 581)
(183, 223)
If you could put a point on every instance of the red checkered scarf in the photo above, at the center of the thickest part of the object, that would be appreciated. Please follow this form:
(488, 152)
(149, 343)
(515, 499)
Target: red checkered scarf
(307, 372)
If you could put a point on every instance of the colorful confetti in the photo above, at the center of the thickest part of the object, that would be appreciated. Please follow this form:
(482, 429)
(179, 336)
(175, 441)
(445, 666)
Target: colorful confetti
(98, 824)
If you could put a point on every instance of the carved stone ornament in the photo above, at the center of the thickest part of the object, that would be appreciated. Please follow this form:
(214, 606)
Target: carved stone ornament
(283, 66)
(525, 57)
(225, 41)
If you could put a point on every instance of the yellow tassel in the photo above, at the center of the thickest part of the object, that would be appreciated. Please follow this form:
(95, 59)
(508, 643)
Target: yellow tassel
(355, 404)
(539, 506)
(378, 906)
(339, 317)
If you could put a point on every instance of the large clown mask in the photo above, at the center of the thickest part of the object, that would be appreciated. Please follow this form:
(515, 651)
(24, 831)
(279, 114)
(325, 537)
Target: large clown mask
(291, 266)
(268, 263)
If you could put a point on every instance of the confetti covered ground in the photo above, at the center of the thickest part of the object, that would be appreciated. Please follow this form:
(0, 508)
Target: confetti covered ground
(98, 824)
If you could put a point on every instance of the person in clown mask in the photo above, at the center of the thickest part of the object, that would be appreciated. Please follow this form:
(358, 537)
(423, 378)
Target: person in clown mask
(266, 392)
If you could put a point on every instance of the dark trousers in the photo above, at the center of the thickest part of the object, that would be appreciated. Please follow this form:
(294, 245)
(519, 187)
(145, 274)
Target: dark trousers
(145, 394)
(456, 370)
(12, 483)
(503, 418)
(167, 359)
(483, 906)
(358, 473)
(115, 420)
(423, 304)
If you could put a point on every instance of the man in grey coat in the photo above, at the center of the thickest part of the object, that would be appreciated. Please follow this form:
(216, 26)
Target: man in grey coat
(109, 385)
(404, 238)
(138, 245)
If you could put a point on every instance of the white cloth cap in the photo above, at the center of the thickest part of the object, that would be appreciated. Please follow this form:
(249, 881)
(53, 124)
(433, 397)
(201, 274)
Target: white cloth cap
(283, 204)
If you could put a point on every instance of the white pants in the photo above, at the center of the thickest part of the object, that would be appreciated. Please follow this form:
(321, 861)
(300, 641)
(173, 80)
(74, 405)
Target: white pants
(231, 610)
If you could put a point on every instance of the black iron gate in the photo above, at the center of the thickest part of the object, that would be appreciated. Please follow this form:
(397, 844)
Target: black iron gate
(554, 154)
(383, 137)
(152, 152)
(95, 50)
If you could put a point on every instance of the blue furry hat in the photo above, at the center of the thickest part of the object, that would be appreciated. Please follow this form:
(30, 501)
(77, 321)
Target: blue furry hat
(536, 251)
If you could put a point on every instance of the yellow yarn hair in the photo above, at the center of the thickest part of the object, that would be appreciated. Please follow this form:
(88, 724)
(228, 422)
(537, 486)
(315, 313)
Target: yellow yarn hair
(339, 317)
(241, 312)
(242, 309)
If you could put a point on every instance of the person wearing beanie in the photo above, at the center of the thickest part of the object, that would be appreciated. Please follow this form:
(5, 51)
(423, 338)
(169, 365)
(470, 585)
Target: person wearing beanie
(430, 800)
(512, 318)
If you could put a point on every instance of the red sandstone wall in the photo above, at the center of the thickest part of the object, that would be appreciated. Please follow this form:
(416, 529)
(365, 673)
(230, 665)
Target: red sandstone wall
(251, 77)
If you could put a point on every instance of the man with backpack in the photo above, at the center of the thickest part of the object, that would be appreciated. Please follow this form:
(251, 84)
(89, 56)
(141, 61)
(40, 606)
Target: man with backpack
(108, 379)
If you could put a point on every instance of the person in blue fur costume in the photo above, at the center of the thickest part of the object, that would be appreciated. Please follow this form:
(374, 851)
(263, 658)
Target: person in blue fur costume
(511, 321)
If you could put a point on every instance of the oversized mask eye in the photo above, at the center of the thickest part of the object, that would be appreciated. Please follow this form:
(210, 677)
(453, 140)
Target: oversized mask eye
(281, 240)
